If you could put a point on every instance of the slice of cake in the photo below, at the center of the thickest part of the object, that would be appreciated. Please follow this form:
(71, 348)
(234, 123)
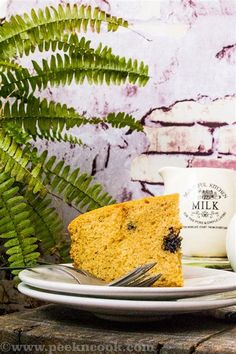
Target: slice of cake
(113, 240)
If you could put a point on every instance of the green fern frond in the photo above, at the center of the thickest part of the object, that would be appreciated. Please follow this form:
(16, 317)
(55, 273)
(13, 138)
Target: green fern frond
(61, 71)
(39, 117)
(14, 83)
(19, 135)
(42, 119)
(65, 252)
(9, 65)
(15, 161)
(50, 24)
(15, 225)
(45, 119)
(70, 44)
(26, 177)
(60, 137)
(67, 43)
(47, 223)
(76, 188)
(122, 120)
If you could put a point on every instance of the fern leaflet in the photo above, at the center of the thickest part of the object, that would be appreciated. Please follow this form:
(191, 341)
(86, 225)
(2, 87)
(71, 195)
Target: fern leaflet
(75, 187)
(15, 225)
(9, 65)
(48, 119)
(50, 24)
(15, 161)
(62, 70)
(67, 43)
(47, 223)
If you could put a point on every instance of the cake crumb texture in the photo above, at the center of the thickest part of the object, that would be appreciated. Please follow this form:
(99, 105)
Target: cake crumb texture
(112, 240)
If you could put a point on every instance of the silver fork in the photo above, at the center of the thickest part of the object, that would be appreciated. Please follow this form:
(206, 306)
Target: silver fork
(138, 277)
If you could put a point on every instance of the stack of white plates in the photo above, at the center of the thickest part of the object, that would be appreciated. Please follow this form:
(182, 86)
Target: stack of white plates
(131, 304)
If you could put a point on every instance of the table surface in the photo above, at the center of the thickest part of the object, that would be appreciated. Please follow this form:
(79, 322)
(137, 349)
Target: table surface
(56, 329)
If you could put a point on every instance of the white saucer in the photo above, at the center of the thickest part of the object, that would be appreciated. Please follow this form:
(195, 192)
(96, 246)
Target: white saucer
(197, 281)
(125, 309)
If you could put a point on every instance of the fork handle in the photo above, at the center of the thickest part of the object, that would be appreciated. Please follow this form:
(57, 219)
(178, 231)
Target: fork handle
(79, 277)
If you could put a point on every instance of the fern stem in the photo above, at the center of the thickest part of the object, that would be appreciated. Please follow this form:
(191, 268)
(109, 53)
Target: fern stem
(75, 187)
(57, 196)
(80, 190)
(48, 120)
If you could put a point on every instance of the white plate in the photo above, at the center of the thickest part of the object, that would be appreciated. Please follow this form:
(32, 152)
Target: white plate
(197, 281)
(132, 310)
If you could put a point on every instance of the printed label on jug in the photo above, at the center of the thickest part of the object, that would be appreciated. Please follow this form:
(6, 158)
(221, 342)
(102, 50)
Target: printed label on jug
(206, 203)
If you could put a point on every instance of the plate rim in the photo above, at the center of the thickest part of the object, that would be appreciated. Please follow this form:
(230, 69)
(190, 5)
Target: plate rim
(92, 303)
(134, 292)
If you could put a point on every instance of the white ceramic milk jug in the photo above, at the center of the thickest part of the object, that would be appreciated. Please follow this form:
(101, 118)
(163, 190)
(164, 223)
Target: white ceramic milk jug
(207, 203)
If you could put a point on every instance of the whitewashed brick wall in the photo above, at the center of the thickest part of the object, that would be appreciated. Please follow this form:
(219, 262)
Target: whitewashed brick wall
(180, 139)
(188, 134)
(188, 108)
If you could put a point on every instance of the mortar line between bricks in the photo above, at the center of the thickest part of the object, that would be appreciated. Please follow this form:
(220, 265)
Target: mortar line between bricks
(170, 106)
(193, 349)
(177, 153)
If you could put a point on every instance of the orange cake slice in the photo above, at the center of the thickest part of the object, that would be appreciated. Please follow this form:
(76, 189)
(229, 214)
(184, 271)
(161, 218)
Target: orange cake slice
(112, 240)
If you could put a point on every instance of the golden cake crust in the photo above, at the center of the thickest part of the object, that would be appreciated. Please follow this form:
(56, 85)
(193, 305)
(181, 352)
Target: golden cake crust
(112, 240)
